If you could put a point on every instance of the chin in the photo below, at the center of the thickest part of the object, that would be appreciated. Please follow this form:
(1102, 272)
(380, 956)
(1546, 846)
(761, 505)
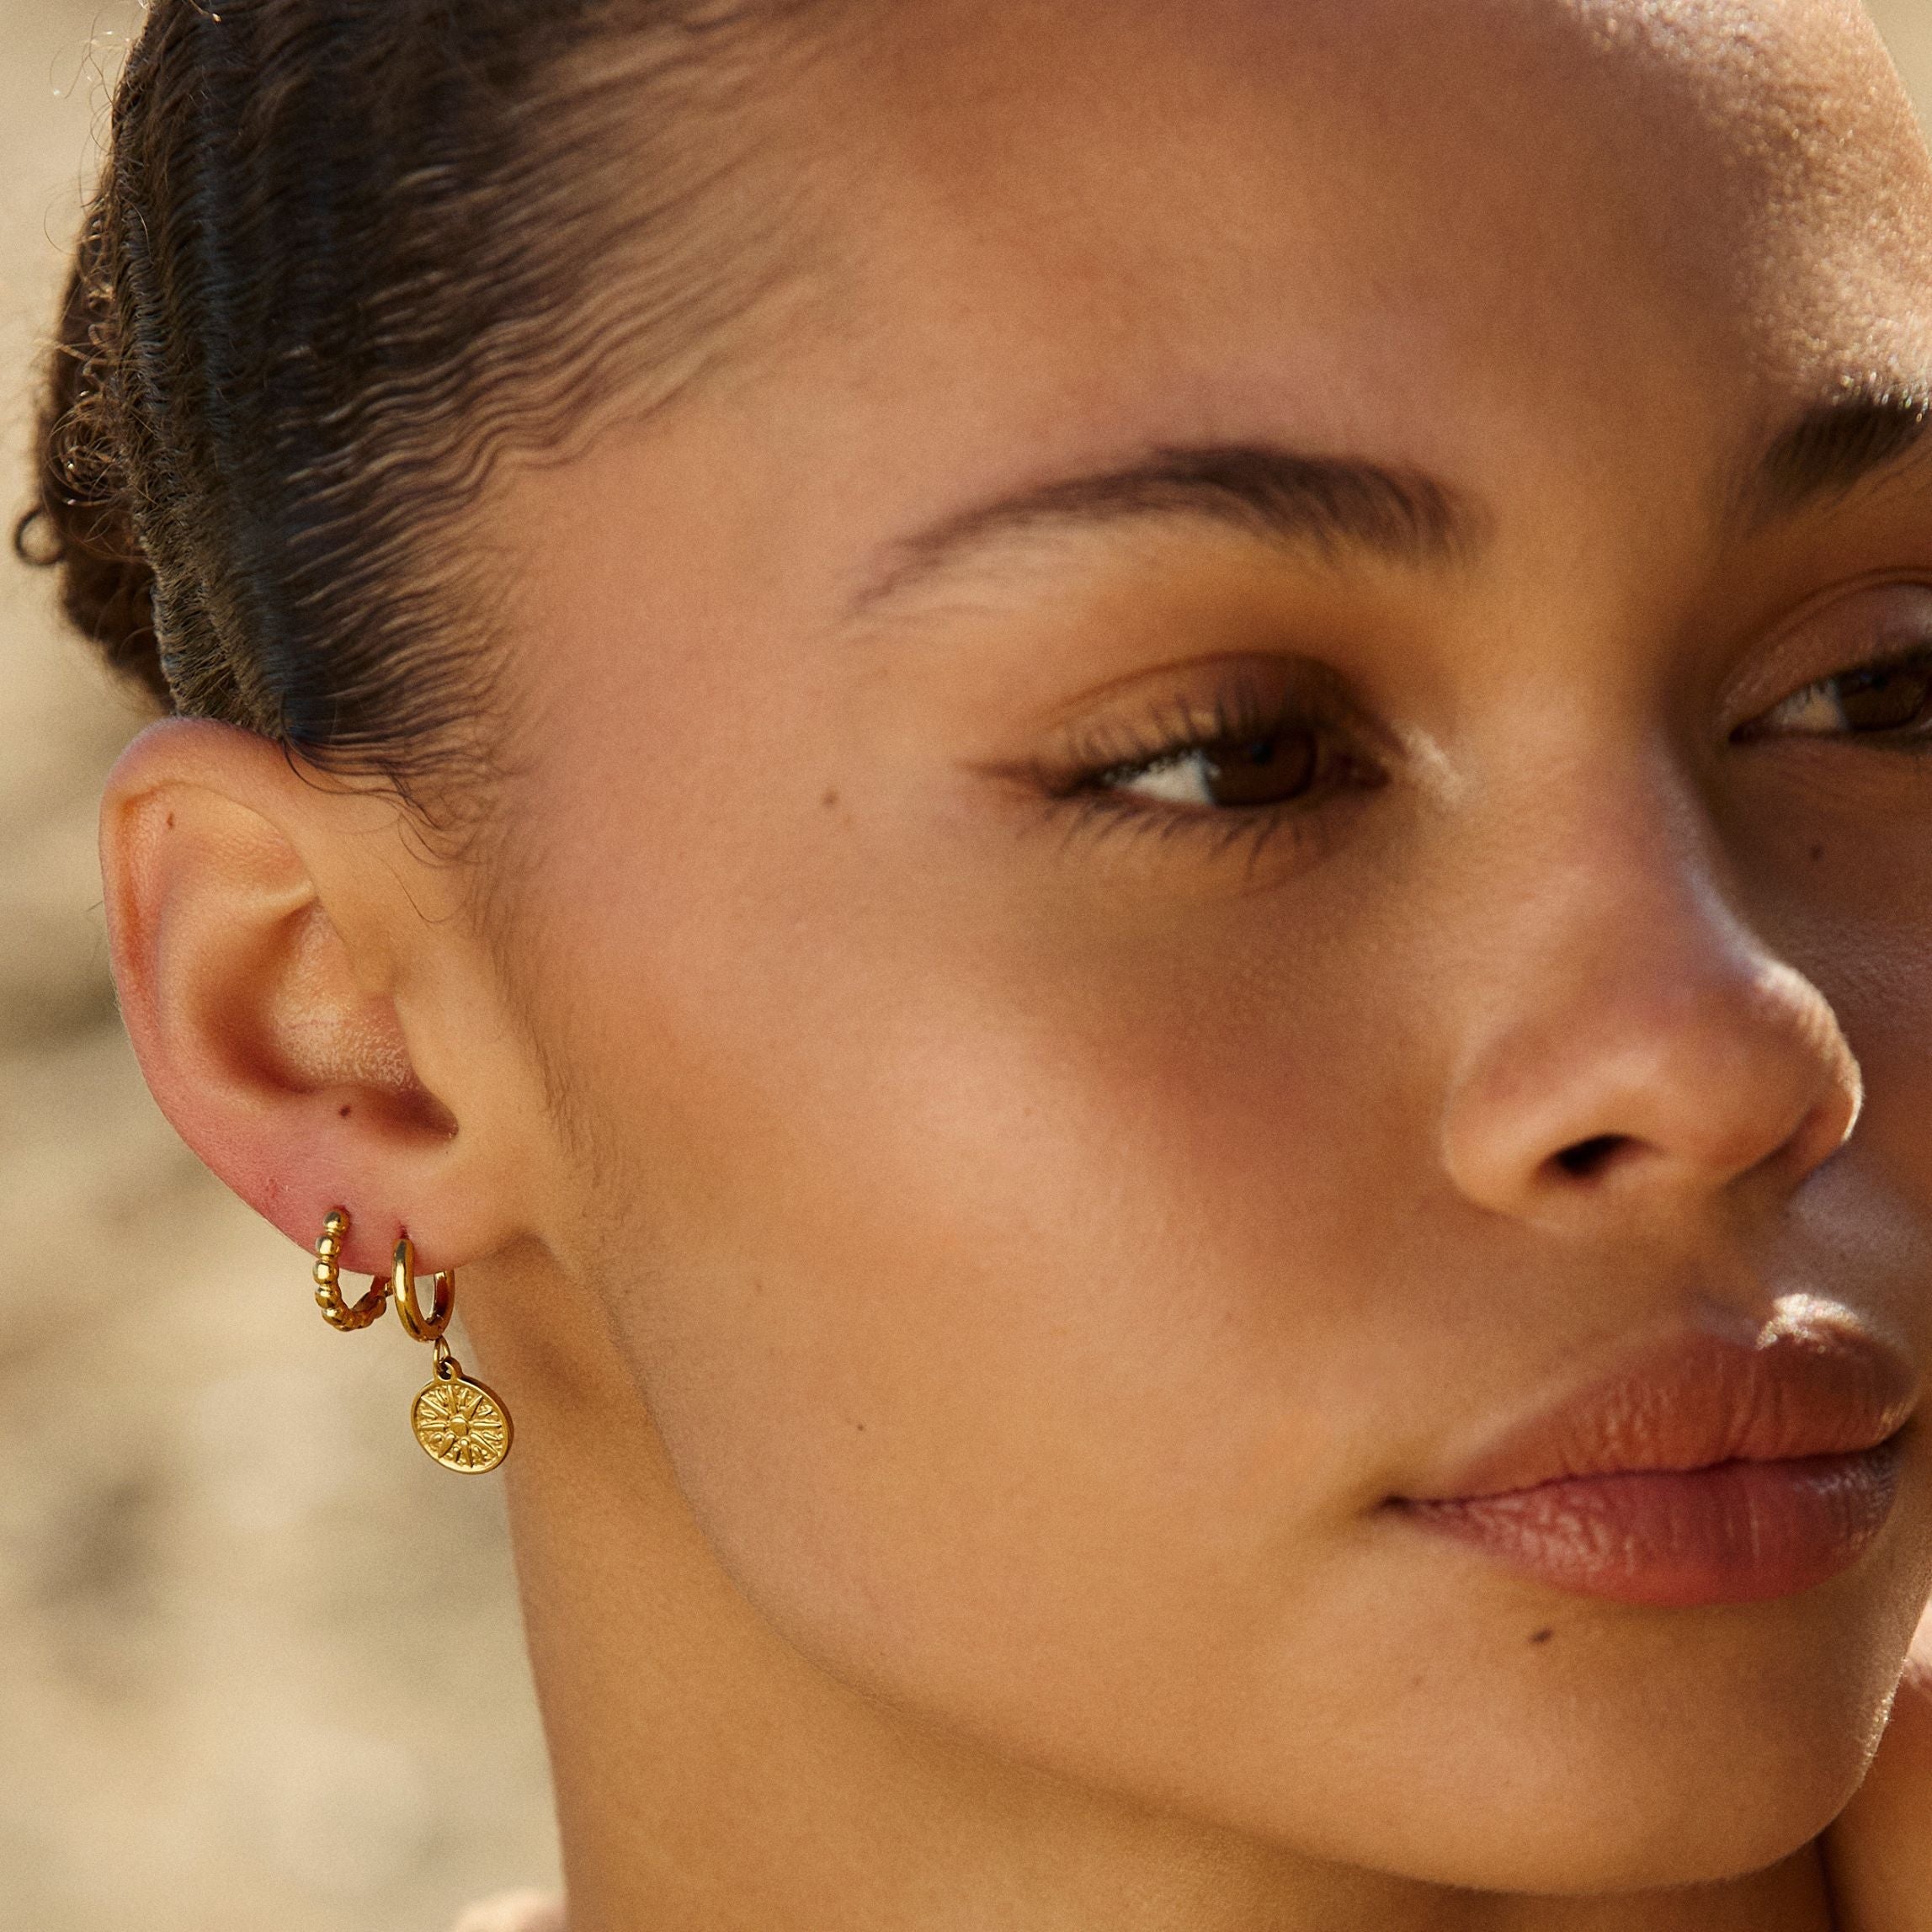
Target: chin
(1582, 1808)
(1614, 1820)
(1626, 1751)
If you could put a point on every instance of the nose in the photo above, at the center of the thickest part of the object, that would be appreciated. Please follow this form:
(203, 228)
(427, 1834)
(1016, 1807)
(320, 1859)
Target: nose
(1636, 1047)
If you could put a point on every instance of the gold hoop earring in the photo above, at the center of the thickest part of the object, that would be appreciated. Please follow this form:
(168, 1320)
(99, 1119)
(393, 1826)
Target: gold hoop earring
(337, 1312)
(459, 1423)
(421, 1327)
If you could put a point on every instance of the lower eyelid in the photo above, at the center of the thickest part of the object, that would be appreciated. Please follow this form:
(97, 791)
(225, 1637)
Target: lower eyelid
(1248, 833)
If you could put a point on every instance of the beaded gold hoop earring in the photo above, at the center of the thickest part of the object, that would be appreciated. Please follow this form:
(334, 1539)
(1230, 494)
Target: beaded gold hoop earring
(337, 1312)
(460, 1422)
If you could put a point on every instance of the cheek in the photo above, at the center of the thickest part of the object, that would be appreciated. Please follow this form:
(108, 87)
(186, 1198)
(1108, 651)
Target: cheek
(1004, 1307)
(999, 1387)
(957, 1283)
(1882, 992)
(1840, 870)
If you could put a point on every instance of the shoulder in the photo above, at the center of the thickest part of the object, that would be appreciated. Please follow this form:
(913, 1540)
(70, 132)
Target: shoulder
(1880, 1850)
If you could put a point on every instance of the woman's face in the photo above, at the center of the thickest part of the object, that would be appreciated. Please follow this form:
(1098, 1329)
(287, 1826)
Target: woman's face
(1247, 816)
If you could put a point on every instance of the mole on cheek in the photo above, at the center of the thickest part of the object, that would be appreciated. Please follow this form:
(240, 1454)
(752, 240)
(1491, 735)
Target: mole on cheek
(1542, 1637)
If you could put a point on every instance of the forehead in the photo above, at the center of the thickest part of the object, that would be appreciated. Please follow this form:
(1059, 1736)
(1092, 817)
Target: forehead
(1382, 211)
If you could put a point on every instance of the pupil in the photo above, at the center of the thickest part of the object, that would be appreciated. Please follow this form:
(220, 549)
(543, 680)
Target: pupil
(1889, 698)
(1262, 771)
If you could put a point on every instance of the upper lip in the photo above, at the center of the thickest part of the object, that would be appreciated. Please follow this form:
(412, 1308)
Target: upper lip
(1806, 1385)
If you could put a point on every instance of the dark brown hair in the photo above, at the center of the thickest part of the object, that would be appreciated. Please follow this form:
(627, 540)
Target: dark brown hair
(344, 258)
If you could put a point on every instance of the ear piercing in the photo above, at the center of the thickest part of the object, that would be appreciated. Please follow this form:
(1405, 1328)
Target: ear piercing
(460, 1422)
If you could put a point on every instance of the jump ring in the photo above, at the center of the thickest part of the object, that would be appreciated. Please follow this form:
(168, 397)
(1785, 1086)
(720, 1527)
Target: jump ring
(402, 1284)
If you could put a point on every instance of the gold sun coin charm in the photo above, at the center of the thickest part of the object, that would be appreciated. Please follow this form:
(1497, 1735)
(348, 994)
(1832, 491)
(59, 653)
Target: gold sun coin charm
(460, 1422)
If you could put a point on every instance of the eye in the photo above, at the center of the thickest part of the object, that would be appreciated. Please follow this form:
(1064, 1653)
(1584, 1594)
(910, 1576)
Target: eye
(1883, 700)
(1881, 694)
(1233, 758)
(1251, 771)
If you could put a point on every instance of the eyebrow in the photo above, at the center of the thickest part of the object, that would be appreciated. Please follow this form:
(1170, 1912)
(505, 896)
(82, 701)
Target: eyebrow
(1326, 504)
(1329, 505)
(1832, 448)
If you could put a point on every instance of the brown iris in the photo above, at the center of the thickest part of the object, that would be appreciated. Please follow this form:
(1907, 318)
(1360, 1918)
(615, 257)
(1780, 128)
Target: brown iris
(1888, 697)
(1272, 770)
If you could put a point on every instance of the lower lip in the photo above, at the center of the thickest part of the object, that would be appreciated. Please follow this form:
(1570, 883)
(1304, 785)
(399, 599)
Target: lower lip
(1739, 1533)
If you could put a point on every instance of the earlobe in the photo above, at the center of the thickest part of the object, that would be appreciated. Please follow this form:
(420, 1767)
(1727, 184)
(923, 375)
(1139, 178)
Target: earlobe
(259, 983)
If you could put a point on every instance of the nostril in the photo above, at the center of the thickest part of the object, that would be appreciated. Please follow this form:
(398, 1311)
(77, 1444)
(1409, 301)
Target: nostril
(1588, 1160)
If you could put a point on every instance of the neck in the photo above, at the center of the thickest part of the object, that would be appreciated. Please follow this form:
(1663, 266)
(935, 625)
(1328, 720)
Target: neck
(711, 1778)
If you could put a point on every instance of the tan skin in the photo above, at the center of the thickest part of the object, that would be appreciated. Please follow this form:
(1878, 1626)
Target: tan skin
(1010, 1220)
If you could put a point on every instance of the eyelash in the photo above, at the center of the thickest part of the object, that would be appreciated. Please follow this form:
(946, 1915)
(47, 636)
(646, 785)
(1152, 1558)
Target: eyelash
(1174, 729)
(1088, 785)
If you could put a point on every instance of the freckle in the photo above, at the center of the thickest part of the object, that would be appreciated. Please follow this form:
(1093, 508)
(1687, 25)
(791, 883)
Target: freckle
(171, 822)
(1818, 852)
(860, 1427)
(829, 800)
(1542, 1637)
(345, 1113)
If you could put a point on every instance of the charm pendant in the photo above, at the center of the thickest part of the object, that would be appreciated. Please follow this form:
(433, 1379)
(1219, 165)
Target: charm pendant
(461, 1424)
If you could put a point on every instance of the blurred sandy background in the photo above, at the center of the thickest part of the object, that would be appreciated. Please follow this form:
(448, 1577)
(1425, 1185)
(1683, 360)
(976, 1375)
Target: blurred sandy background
(215, 1530)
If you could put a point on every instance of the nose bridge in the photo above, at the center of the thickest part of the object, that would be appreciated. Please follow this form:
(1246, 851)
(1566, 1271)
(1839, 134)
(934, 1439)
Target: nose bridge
(1613, 902)
(1631, 1033)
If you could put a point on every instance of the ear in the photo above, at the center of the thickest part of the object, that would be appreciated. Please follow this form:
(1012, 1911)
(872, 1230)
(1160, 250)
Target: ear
(310, 1003)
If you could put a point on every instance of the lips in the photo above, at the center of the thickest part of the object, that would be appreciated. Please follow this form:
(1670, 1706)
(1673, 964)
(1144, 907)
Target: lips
(1703, 1471)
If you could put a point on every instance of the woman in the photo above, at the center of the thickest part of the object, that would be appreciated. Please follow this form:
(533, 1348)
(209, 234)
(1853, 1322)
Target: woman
(1117, 813)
